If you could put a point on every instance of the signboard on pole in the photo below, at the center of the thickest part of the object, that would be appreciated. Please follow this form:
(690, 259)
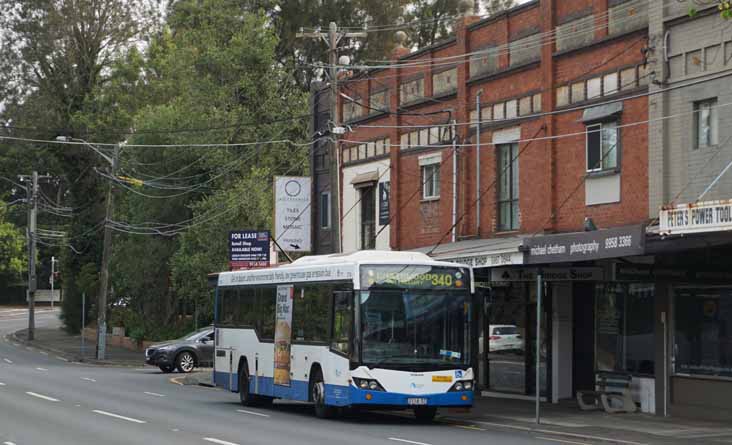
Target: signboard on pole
(248, 249)
(283, 335)
(586, 246)
(711, 216)
(384, 195)
(292, 213)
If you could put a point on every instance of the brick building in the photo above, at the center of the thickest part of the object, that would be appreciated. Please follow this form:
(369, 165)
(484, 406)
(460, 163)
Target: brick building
(520, 146)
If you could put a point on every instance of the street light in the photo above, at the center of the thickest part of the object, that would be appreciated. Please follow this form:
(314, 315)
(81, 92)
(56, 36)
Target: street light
(106, 253)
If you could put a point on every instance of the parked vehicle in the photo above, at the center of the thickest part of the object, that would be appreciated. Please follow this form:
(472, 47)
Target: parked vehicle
(186, 353)
(504, 337)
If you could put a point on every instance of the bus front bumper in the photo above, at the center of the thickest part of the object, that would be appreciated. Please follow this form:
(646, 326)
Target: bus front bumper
(389, 399)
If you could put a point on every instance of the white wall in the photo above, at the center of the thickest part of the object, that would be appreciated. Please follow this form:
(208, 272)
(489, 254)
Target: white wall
(351, 209)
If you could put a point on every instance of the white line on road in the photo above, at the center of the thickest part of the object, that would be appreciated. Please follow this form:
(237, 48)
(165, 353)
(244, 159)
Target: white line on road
(559, 433)
(42, 369)
(561, 441)
(154, 394)
(8, 443)
(43, 352)
(117, 416)
(396, 439)
(252, 413)
(218, 441)
(61, 358)
(8, 361)
(2, 384)
(89, 379)
(41, 396)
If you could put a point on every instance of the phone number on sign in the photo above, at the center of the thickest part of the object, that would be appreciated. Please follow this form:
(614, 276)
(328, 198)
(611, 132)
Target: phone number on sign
(616, 242)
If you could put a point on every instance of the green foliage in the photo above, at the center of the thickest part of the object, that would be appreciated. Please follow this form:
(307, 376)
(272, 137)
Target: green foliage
(724, 7)
(13, 256)
(87, 282)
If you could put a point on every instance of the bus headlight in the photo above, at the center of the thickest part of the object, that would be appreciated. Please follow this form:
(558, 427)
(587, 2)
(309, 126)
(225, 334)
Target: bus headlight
(462, 385)
(368, 384)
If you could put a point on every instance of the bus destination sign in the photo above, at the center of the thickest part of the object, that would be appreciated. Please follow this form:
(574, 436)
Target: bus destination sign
(419, 277)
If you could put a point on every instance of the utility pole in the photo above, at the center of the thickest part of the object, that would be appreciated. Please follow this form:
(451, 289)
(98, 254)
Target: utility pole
(32, 212)
(104, 279)
(53, 277)
(333, 38)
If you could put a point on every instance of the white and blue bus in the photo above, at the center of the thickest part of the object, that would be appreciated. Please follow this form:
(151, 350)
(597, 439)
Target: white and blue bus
(369, 330)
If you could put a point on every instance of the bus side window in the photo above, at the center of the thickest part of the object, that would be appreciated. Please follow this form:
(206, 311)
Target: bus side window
(342, 321)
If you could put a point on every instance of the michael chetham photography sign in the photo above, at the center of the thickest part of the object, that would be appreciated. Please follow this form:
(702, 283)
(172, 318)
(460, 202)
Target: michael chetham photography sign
(585, 246)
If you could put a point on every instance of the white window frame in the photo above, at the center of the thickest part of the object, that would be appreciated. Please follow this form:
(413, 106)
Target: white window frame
(713, 122)
(599, 126)
(427, 164)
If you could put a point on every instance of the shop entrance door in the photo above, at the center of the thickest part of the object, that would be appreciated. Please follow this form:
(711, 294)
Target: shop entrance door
(510, 339)
(583, 321)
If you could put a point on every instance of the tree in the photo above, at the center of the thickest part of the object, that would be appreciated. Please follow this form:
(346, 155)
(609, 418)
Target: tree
(494, 7)
(724, 7)
(13, 257)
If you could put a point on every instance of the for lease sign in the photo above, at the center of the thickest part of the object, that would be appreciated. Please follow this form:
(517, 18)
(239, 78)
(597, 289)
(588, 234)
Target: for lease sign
(700, 217)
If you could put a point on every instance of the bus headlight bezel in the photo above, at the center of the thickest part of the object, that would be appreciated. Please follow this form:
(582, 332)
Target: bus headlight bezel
(367, 384)
(461, 386)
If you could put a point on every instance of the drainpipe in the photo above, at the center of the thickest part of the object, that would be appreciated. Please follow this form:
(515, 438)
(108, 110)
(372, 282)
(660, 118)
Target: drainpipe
(477, 164)
(454, 181)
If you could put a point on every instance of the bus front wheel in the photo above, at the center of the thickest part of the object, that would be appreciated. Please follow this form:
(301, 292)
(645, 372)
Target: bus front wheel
(425, 414)
(246, 397)
(317, 393)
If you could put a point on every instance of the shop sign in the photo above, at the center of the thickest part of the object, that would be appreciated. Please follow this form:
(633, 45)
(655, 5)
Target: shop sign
(292, 213)
(650, 273)
(499, 259)
(586, 246)
(248, 249)
(548, 274)
(700, 217)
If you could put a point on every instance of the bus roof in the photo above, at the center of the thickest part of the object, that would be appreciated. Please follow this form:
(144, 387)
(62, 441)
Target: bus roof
(313, 268)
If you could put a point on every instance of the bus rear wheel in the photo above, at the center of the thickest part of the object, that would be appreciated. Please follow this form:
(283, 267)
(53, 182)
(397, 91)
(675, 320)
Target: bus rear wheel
(425, 414)
(317, 394)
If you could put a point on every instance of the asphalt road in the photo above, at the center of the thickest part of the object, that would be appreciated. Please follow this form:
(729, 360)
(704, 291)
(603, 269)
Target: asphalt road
(46, 400)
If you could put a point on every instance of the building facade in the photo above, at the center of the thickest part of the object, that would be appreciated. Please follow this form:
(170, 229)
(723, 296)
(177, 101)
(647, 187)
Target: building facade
(544, 141)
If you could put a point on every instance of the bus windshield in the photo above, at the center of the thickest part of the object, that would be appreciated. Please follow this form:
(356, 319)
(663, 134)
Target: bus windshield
(416, 315)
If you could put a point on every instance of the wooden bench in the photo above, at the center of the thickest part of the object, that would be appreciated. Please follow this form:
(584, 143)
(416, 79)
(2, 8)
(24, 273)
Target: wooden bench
(612, 393)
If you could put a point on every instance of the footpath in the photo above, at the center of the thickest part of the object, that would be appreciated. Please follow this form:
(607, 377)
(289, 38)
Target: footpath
(63, 344)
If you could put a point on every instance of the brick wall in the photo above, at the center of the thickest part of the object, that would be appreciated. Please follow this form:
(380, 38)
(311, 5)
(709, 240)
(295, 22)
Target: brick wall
(551, 171)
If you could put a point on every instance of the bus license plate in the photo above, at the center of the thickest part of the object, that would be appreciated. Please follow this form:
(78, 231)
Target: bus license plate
(417, 401)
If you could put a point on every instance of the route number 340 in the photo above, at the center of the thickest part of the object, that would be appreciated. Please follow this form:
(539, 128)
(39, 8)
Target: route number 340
(615, 242)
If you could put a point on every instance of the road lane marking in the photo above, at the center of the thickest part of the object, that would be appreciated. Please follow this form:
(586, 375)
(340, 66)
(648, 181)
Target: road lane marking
(8, 361)
(41, 396)
(561, 441)
(154, 394)
(218, 441)
(89, 379)
(469, 427)
(252, 413)
(117, 416)
(176, 381)
(43, 352)
(42, 369)
(2, 384)
(396, 439)
(8, 443)
(61, 358)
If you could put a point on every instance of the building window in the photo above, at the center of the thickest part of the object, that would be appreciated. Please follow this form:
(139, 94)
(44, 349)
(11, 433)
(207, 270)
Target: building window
(705, 123)
(431, 181)
(352, 109)
(368, 217)
(508, 187)
(624, 338)
(444, 82)
(379, 102)
(602, 146)
(703, 331)
(325, 210)
(411, 91)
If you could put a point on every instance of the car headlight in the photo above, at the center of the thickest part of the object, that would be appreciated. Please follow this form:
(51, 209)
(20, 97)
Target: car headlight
(368, 384)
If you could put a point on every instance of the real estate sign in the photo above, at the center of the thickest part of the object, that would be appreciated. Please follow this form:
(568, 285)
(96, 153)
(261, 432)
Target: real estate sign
(711, 216)
(292, 213)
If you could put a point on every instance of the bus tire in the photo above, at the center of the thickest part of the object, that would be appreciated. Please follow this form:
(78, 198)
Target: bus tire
(247, 398)
(425, 414)
(317, 394)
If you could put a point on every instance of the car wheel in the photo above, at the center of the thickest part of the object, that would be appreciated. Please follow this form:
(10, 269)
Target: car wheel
(317, 394)
(166, 368)
(425, 414)
(185, 362)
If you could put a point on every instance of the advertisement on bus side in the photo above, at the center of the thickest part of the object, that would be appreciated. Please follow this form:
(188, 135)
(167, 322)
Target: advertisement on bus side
(283, 335)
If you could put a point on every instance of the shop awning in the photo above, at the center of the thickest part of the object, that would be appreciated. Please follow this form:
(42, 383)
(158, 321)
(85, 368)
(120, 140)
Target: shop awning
(490, 252)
